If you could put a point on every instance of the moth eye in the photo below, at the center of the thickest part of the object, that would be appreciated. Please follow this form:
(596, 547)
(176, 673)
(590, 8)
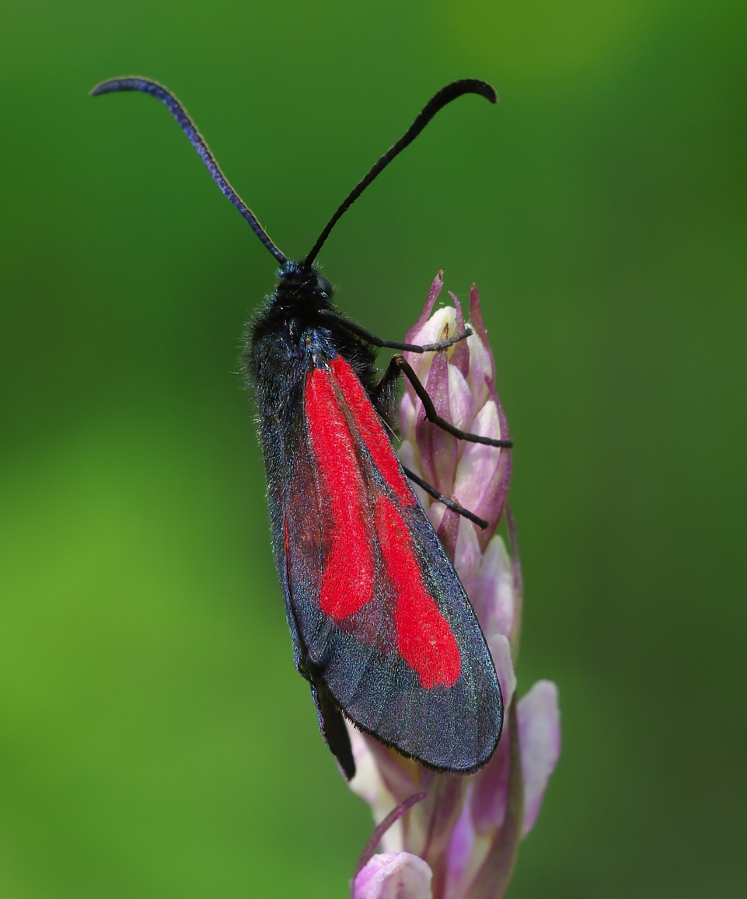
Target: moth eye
(324, 287)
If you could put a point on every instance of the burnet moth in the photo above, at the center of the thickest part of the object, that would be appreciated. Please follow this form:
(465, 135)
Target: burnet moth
(381, 625)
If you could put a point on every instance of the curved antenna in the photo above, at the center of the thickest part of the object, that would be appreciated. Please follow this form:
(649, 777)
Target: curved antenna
(434, 105)
(146, 86)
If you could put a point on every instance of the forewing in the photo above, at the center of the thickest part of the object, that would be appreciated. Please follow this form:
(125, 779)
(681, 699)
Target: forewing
(379, 610)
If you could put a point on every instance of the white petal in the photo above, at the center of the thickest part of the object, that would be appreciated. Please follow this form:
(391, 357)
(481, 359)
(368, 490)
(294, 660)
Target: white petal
(440, 325)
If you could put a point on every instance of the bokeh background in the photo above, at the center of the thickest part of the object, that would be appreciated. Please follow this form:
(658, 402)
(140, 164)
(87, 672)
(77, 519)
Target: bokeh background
(155, 740)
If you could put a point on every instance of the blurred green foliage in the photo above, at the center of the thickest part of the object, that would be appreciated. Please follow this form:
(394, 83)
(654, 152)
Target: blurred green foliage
(155, 740)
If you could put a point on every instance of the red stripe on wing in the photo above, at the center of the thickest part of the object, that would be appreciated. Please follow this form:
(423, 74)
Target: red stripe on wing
(424, 638)
(348, 576)
(371, 429)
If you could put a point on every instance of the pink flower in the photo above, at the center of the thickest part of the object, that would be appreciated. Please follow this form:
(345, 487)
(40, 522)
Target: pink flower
(460, 836)
(394, 875)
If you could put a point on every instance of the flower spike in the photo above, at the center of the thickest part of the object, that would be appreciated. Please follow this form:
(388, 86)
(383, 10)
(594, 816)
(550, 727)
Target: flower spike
(462, 841)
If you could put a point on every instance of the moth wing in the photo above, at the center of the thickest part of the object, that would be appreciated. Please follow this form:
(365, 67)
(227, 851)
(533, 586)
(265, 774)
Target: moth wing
(379, 612)
(293, 502)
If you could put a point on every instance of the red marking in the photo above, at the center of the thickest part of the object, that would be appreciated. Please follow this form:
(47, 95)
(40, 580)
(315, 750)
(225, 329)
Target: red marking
(348, 576)
(371, 429)
(424, 638)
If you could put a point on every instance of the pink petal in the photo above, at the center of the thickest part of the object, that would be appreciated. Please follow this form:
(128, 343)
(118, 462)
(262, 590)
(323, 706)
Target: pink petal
(484, 473)
(500, 650)
(475, 319)
(467, 555)
(394, 875)
(539, 741)
(493, 594)
(490, 788)
(494, 873)
(409, 409)
(480, 369)
(429, 825)
(518, 580)
(460, 848)
(447, 530)
(479, 463)
(369, 785)
(461, 403)
(459, 353)
(438, 450)
(430, 301)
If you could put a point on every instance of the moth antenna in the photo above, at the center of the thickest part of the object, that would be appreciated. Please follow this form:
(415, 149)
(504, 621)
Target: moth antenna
(146, 86)
(434, 105)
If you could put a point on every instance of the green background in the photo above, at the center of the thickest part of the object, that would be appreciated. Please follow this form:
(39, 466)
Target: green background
(155, 740)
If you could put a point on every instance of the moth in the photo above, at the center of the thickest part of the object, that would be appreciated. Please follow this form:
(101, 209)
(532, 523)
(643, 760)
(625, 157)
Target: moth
(381, 626)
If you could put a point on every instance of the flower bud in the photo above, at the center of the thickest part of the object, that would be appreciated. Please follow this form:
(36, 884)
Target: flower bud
(460, 842)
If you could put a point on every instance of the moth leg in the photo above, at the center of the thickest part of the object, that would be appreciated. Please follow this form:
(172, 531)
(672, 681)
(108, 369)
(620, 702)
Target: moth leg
(449, 503)
(329, 717)
(358, 331)
(331, 721)
(399, 363)
(384, 394)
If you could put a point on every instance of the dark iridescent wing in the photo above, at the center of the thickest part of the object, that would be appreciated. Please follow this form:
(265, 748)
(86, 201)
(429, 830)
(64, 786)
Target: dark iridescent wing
(379, 613)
